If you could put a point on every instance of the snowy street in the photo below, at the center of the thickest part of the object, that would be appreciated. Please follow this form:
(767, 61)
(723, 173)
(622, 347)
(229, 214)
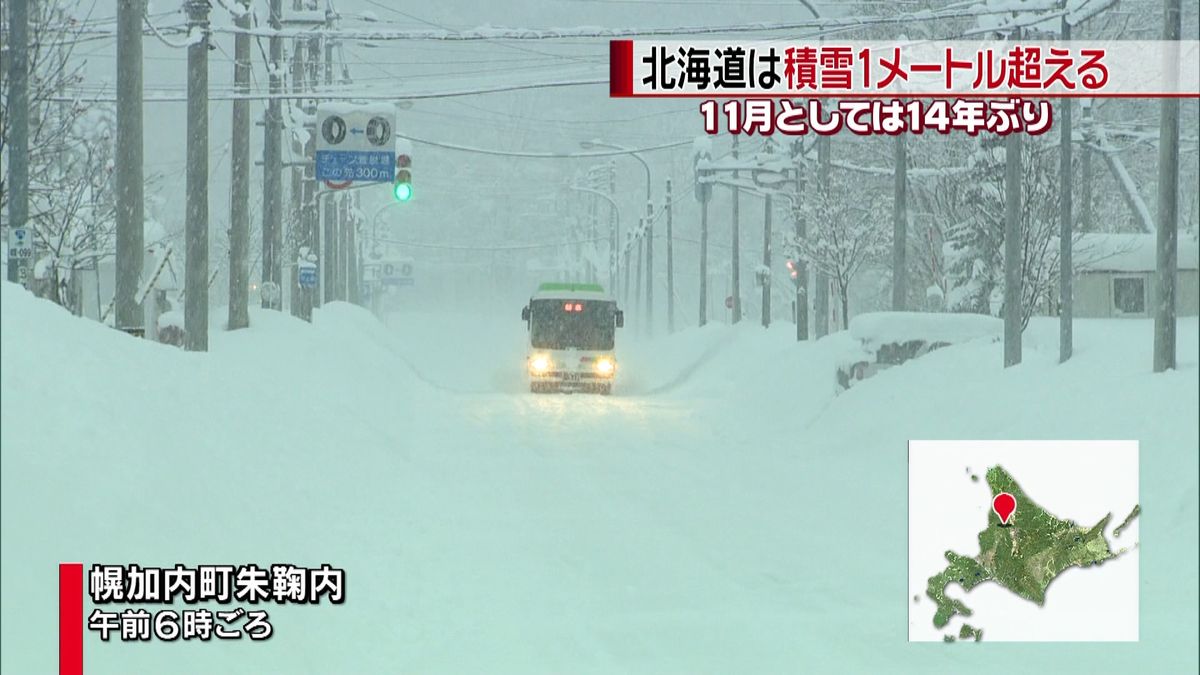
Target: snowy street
(600, 336)
(672, 527)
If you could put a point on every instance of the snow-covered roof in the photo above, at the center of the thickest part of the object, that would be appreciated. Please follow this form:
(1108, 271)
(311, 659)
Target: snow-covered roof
(1106, 252)
(877, 328)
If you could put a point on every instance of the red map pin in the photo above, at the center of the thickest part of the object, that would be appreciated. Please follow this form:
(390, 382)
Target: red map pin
(1004, 504)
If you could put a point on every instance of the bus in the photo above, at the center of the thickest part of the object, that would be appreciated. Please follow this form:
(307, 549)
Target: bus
(572, 332)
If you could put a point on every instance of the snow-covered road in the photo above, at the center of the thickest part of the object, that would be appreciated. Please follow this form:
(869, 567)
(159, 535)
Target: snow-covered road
(723, 513)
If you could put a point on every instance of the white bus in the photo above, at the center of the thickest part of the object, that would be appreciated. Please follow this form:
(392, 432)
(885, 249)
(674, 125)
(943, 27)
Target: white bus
(572, 332)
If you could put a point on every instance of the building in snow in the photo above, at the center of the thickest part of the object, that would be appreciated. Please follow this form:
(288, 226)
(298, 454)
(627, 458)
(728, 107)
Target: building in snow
(1114, 275)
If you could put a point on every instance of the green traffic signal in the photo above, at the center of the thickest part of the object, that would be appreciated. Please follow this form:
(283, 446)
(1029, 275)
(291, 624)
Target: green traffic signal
(402, 192)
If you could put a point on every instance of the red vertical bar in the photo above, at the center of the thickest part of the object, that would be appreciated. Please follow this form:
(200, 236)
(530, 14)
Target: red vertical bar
(70, 619)
(620, 68)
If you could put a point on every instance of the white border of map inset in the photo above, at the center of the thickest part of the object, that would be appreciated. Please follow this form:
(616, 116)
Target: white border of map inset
(1073, 480)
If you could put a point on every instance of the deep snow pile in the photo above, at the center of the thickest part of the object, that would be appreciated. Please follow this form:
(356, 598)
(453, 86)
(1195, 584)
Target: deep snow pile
(876, 328)
(726, 512)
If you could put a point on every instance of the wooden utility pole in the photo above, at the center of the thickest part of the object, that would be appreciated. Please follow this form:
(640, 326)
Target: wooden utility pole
(1012, 249)
(239, 193)
(735, 255)
(900, 228)
(195, 304)
(1168, 201)
(272, 215)
(127, 160)
(670, 261)
(1065, 215)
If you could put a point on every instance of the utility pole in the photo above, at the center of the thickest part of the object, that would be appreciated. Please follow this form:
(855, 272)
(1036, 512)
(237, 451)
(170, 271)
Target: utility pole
(637, 289)
(331, 271)
(801, 283)
(670, 262)
(614, 251)
(736, 256)
(311, 214)
(1012, 249)
(1065, 302)
(1085, 166)
(766, 277)
(900, 228)
(127, 162)
(18, 150)
(821, 300)
(272, 226)
(625, 253)
(591, 235)
(195, 306)
(1168, 201)
(239, 199)
(704, 261)
(649, 268)
(353, 281)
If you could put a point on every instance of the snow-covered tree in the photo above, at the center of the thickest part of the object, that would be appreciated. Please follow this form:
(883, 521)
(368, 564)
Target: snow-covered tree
(844, 234)
(53, 71)
(974, 247)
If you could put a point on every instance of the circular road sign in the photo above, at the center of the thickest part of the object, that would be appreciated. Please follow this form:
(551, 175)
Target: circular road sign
(333, 129)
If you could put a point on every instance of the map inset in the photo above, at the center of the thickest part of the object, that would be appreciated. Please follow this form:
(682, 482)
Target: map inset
(1023, 556)
(1024, 548)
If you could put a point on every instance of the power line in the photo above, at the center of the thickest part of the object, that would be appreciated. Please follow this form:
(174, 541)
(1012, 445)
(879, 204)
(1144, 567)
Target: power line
(494, 247)
(329, 93)
(543, 155)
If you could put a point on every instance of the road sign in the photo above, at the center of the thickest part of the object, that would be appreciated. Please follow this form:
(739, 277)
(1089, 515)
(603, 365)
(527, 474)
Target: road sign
(364, 167)
(270, 292)
(20, 244)
(356, 143)
(396, 272)
(307, 275)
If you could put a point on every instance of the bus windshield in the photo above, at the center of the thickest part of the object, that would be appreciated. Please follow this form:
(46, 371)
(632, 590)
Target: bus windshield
(572, 324)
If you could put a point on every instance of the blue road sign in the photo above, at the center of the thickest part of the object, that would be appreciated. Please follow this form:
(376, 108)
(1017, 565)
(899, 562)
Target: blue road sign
(363, 166)
(308, 276)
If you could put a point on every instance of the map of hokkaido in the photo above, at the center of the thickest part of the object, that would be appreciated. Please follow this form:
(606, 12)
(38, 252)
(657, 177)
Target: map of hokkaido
(1056, 572)
(1023, 555)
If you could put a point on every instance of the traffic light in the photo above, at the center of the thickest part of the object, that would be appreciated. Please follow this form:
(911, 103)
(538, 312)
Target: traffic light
(402, 187)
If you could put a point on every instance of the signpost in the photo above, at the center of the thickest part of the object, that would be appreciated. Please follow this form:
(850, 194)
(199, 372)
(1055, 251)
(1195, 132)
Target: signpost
(390, 273)
(355, 143)
(307, 274)
(20, 253)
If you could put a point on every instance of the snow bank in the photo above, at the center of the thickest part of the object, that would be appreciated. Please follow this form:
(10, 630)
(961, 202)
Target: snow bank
(877, 328)
(726, 513)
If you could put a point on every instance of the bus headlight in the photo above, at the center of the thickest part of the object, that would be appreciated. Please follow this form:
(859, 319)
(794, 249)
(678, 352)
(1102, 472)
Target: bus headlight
(539, 364)
(605, 366)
